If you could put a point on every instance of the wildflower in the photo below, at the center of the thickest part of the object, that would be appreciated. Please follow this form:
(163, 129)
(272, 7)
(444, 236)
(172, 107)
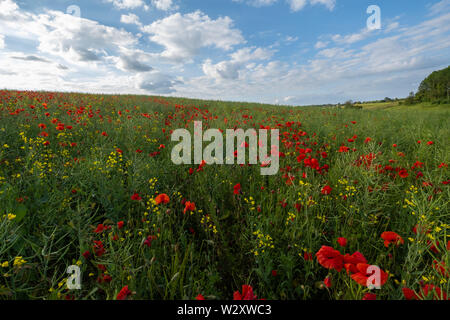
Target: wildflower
(149, 240)
(189, 206)
(370, 296)
(162, 198)
(330, 258)
(100, 229)
(247, 293)
(351, 261)
(403, 173)
(120, 224)
(123, 294)
(362, 276)
(18, 262)
(391, 237)
(86, 254)
(5, 264)
(326, 190)
(200, 297)
(136, 197)
(327, 282)
(342, 241)
(237, 189)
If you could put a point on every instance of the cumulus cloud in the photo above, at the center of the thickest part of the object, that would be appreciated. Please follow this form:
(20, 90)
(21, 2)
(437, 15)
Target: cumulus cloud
(130, 18)
(30, 58)
(199, 31)
(157, 83)
(129, 4)
(2, 41)
(295, 5)
(229, 69)
(164, 5)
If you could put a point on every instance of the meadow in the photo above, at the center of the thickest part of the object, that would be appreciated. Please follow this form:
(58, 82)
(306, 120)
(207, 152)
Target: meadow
(88, 180)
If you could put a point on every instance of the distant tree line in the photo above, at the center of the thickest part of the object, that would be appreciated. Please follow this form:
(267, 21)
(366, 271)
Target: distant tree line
(435, 88)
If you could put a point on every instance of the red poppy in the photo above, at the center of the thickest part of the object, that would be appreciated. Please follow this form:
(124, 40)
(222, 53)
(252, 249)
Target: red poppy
(86, 254)
(342, 241)
(200, 297)
(123, 294)
(326, 190)
(136, 197)
(247, 293)
(409, 294)
(327, 282)
(391, 237)
(100, 228)
(370, 296)
(362, 276)
(149, 240)
(162, 198)
(120, 224)
(330, 258)
(237, 189)
(189, 206)
(403, 173)
(351, 261)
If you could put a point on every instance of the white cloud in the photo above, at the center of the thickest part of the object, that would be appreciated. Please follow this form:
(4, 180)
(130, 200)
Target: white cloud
(199, 31)
(257, 3)
(129, 4)
(229, 69)
(164, 5)
(321, 44)
(156, 82)
(2, 41)
(330, 4)
(441, 6)
(297, 5)
(130, 18)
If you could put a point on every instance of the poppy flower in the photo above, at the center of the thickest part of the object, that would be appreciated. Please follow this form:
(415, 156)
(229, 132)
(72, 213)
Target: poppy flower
(100, 228)
(370, 296)
(247, 293)
(326, 190)
(327, 282)
(391, 237)
(409, 294)
(403, 173)
(189, 206)
(362, 276)
(342, 241)
(237, 189)
(274, 273)
(149, 240)
(123, 293)
(351, 261)
(162, 198)
(136, 197)
(330, 258)
(200, 297)
(120, 224)
(86, 254)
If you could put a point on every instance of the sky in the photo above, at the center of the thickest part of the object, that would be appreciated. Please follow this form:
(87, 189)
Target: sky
(294, 52)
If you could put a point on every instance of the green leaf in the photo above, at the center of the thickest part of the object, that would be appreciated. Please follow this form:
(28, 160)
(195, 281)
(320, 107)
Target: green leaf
(20, 213)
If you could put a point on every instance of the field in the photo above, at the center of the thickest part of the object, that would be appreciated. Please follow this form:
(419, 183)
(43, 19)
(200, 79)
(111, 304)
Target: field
(88, 180)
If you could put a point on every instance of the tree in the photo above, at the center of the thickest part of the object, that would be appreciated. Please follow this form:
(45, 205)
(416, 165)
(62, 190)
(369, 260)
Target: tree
(435, 87)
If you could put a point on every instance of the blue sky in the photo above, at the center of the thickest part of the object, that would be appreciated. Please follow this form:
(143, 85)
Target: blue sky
(295, 52)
